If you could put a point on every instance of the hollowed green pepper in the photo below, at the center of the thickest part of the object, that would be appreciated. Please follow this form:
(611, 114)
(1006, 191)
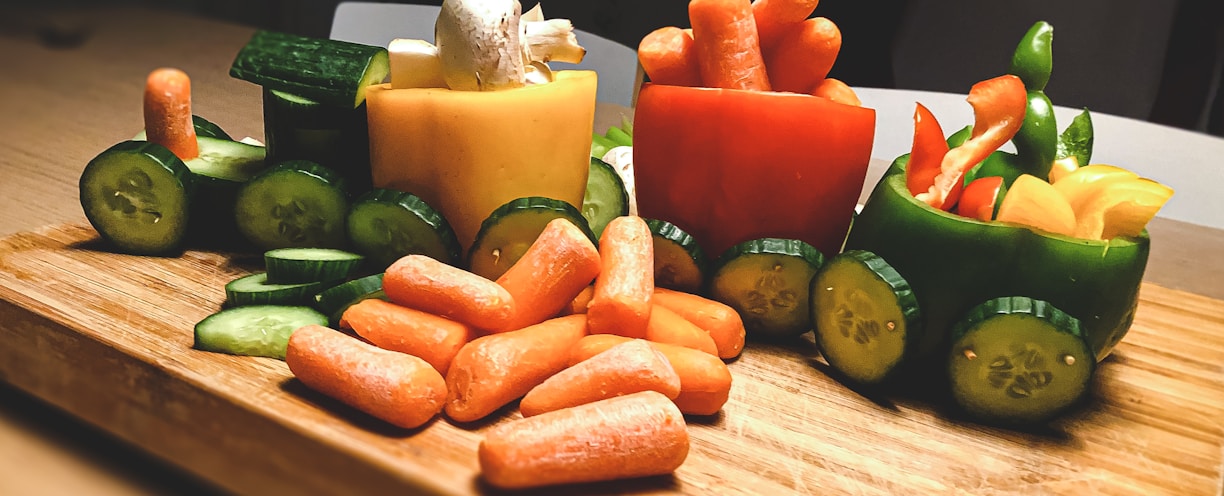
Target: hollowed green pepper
(954, 263)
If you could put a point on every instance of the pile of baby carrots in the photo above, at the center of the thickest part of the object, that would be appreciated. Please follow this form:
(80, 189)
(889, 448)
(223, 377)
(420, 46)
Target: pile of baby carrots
(604, 364)
(762, 45)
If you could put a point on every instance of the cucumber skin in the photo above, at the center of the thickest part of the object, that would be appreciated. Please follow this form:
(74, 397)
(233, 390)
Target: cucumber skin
(275, 61)
(286, 130)
(168, 160)
(685, 241)
(274, 294)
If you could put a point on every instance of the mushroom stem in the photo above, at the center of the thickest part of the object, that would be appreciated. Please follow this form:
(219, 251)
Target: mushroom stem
(552, 41)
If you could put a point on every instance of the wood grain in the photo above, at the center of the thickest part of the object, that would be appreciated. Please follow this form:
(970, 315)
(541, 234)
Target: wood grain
(108, 338)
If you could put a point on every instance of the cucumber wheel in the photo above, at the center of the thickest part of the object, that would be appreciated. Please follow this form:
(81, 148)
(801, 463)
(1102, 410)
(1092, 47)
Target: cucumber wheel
(293, 204)
(137, 195)
(605, 197)
(386, 225)
(256, 290)
(679, 263)
(866, 317)
(506, 234)
(1016, 360)
(303, 265)
(767, 281)
(335, 300)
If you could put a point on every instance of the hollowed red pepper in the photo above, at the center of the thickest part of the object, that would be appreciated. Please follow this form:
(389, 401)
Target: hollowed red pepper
(731, 165)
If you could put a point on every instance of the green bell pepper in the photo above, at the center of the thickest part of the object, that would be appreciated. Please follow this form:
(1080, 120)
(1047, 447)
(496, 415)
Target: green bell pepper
(954, 263)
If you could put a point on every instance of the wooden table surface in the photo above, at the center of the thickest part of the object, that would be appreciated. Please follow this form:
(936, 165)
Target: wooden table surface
(60, 106)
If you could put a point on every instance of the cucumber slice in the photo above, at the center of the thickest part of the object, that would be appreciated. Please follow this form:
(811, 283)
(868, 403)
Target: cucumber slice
(767, 281)
(679, 263)
(330, 72)
(335, 300)
(225, 160)
(386, 225)
(137, 195)
(507, 233)
(1016, 360)
(203, 129)
(866, 316)
(293, 204)
(256, 290)
(605, 198)
(259, 330)
(303, 265)
(298, 128)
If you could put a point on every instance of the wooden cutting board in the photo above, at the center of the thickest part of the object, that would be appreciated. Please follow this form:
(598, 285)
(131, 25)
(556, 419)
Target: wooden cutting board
(108, 338)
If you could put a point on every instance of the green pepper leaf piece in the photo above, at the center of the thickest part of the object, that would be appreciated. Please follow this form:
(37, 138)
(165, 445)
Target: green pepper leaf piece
(1076, 139)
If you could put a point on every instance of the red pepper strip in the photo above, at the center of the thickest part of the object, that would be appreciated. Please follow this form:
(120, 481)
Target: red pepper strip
(925, 155)
(980, 197)
(998, 110)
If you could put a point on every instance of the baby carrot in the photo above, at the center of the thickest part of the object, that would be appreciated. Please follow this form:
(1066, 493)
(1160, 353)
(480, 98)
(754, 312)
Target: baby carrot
(775, 17)
(554, 269)
(705, 381)
(420, 282)
(721, 321)
(804, 56)
(726, 43)
(407, 330)
(666, 326)
(622, 369)
(401, 389)
(491, 371)
(837, 91)
(167, 112)
(621, 303)
(580, 302)
(635, 435)
(667, 56)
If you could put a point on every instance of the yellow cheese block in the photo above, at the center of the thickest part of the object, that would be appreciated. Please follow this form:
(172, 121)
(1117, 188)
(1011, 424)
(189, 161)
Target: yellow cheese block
(468, 152)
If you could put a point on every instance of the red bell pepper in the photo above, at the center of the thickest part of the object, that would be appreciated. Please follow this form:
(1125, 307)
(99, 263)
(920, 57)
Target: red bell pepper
(926, 153)
(728, 166)
(998, 110)
(981, 198)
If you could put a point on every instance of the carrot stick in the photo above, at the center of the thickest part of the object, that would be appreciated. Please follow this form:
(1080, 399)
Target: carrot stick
(667, 56)
(775, 17)
(401, 389)
(804, 56)
(726, 43)
(723, 323)
(622, 369)
(420, 282)
(666, 326)
(555, 268)
(705, 381)
(621, 303)
(167, 112)
(635, 435)
(580, 302)
(407, 330)
(837, 91)
(494, 370)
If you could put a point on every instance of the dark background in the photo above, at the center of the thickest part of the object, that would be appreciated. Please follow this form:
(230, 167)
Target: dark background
(1160, 61)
